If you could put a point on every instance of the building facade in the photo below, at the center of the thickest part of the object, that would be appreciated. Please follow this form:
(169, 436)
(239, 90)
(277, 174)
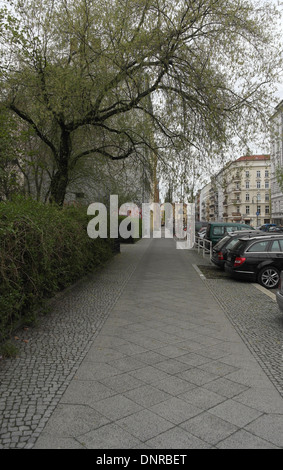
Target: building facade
(276, 158)
(240, 192)
(204, 202)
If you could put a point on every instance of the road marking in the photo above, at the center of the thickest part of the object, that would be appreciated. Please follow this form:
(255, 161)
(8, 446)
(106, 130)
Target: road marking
(258, 286)
(265, 291)
(199, 271)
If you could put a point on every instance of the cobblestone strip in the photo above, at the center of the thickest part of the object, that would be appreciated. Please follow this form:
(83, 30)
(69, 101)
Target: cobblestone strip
(255, 316)
(259, 322)
(49, 354)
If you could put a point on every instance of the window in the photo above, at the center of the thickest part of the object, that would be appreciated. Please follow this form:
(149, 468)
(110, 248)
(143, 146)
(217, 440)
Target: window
(258, 247)
(258, 174)
(247, 197)
(223, 241)
(247, 185)
(218, 230)
(258, 209)
(267, 197)
(247, 174)
(247, 209)
(232, 243)
(258, 196)
(232, 228)
(267, 209)
(266, 174)
(266, 185)
(277, 246)
(258, 184)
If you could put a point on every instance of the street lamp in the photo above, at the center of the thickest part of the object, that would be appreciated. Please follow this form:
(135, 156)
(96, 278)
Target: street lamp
(257, 212)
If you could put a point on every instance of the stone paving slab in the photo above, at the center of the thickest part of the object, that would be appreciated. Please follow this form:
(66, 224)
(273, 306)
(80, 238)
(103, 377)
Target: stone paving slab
(165, 368)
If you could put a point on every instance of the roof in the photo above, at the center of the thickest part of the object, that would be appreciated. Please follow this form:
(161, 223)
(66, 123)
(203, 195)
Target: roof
(253, 158)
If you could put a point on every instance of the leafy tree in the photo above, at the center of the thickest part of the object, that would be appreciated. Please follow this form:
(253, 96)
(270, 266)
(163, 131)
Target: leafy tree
(9, 174)
(196, 70)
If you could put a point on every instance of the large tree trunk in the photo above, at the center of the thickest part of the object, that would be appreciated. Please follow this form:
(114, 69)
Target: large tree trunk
(58, 187)
(60, 179)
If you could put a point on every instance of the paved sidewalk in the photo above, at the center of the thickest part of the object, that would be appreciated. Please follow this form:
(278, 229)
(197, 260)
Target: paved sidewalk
(165, 370)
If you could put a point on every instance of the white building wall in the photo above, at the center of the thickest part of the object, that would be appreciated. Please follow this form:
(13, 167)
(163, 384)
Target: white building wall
(204, 201)
(276, 156)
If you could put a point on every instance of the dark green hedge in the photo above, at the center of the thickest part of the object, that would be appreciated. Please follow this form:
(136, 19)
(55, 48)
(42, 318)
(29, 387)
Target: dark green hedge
(43, 249)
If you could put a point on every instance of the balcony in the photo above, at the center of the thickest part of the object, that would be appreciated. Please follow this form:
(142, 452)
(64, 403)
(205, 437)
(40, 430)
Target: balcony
(236, 214)
(235, 201)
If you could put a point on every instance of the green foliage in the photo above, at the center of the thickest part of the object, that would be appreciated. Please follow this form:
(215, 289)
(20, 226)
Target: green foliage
(8, 349)
(43, 250)
(279, 177)
(9, 176)
(94, 77)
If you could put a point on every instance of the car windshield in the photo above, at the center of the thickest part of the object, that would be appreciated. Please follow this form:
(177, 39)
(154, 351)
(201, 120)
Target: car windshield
(232, 243)
(239, 245)
(222, 242)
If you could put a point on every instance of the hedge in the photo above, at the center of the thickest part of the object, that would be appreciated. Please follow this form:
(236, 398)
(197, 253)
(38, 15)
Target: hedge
(130, 239)
(43, 249)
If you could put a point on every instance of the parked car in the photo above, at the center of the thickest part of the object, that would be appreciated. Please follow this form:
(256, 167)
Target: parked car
(200, 225)
(275, 229)
(216, 230)
(220, 250)
(279, 293)
(259, 259)
(266, 227)
(202, 232)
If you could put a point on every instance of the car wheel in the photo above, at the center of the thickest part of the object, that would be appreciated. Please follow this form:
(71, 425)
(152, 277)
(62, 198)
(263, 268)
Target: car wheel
(269, 277)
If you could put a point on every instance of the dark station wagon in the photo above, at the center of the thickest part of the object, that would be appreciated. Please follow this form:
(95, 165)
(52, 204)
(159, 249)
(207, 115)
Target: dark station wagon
(220, 250)
(259, 259)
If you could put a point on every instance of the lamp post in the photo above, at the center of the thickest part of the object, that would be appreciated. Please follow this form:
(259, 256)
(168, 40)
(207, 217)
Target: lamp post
(256, 211)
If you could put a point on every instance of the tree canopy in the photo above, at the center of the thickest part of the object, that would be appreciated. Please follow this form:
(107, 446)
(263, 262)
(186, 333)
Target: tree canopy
(115, 77)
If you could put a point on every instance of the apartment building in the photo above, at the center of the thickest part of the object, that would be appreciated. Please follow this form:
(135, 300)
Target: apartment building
(240, 192)
(205, 211)
(276, 159)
